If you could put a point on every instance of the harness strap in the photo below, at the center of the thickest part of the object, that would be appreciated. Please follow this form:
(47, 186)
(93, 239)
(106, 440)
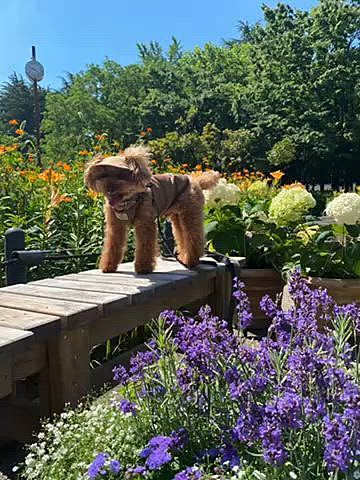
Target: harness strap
(214, 259)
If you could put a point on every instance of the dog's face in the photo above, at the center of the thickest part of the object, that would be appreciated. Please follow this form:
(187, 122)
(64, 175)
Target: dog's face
(121, 177)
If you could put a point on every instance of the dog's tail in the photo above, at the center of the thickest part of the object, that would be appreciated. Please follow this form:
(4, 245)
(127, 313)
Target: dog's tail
(206, 180)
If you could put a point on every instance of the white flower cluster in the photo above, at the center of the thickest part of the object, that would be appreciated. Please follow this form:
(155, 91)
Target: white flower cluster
(66, 448)
(345, 209)
(223, 193)
(290, 205)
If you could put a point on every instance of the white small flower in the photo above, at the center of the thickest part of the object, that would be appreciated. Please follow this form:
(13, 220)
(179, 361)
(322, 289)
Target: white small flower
(293, 475)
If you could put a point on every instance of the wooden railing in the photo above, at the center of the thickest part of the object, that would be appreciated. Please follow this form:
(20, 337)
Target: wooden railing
(48, 328)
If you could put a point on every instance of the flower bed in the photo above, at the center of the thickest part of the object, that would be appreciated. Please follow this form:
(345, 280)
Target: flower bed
(204, 402)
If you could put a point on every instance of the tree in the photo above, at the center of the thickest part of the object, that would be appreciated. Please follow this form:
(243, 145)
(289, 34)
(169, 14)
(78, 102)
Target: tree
(17, 101)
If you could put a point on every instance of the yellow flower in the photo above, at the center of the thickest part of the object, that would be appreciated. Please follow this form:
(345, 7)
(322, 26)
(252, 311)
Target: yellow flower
(307, 233)
(93, 195)
(11, 148)
(66, 167)
(277, 175)
(101, 137)
(50, 176)
(57, 198)
(13, 122)
(97, 147)
(294, 185)
(153, 162)
(19, 131)
(2, 149)
(198, 167)
(84, 153)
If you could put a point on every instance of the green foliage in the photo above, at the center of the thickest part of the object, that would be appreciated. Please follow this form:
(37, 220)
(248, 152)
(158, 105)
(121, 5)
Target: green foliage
(282, 153)
(17, 102)
(286, 94)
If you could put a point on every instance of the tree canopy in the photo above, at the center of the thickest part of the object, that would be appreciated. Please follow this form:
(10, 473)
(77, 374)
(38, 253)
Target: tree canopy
(285, 94)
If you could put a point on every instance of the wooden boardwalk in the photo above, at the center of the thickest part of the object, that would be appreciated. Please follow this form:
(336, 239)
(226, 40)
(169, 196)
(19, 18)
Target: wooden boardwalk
(48, 328)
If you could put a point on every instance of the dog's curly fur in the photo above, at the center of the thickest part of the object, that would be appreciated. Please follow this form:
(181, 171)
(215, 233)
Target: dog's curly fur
(186, 213)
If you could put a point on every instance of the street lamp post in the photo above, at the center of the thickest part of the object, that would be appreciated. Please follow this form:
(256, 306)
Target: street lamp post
(35, 72)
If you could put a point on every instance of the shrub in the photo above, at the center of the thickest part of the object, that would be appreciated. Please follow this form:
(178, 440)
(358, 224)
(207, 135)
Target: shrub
(203, 400)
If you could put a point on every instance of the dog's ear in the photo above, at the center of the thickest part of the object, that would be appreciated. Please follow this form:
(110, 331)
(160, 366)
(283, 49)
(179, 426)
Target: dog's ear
(89, 174)
(137, 159)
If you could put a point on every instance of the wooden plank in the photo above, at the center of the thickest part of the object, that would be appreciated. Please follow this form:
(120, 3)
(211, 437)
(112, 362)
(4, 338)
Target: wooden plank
(118, 280)
(148, 276)
(136, 286)
(41, 325)
(139, 314)
(71, 313)
(12, 339)
(30, 361)
(107, 303)
(130, 294)
(132, 279)
(69, 367)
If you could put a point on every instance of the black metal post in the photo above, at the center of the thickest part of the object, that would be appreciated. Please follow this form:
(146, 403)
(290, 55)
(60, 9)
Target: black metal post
(36, 114)
(15, 271)
(170, 243)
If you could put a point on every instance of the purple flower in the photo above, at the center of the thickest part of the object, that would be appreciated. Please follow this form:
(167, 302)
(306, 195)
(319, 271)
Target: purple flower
(190, 473)
(133, 472)
(338, 451)
(248, 424)
(115, 466)
(243, 305)
(272, 441)
(97, 466)
(159, 448)
(127, 407)
(157, 458)
(120, 375)
(230, 456)
(140, 361)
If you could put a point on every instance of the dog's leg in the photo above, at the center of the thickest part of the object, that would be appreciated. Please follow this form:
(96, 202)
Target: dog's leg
(192, 233)
(146, 246)
(178, 233)
(115, 242)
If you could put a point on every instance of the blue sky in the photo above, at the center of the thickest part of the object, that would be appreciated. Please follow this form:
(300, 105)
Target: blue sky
(71, 34)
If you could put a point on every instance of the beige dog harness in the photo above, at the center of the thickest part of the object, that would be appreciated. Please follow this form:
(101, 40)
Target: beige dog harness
(165, 188)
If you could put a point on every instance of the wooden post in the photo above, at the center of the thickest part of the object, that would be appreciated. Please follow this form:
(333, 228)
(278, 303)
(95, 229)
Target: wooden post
(69, 367)
(224, 287)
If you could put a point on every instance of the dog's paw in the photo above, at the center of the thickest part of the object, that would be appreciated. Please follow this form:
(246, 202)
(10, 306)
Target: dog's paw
(188, 260)
(108, 268)
(141, 268)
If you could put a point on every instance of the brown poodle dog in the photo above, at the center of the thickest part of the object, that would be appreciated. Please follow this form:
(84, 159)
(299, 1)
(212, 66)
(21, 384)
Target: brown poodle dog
(135, 197)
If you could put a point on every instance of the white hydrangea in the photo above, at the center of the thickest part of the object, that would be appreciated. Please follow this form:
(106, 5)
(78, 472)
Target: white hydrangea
(345, 209)
(290, 205)
(223, 193)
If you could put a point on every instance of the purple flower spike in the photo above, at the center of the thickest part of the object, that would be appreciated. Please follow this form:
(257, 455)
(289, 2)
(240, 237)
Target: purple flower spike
(243, 305)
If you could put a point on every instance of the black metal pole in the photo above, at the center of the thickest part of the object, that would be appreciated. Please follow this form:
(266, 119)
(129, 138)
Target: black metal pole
(15, 272)
(36, 113)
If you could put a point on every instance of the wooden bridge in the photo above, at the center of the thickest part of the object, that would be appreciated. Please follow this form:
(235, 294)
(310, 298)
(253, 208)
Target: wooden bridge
(48, 328)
